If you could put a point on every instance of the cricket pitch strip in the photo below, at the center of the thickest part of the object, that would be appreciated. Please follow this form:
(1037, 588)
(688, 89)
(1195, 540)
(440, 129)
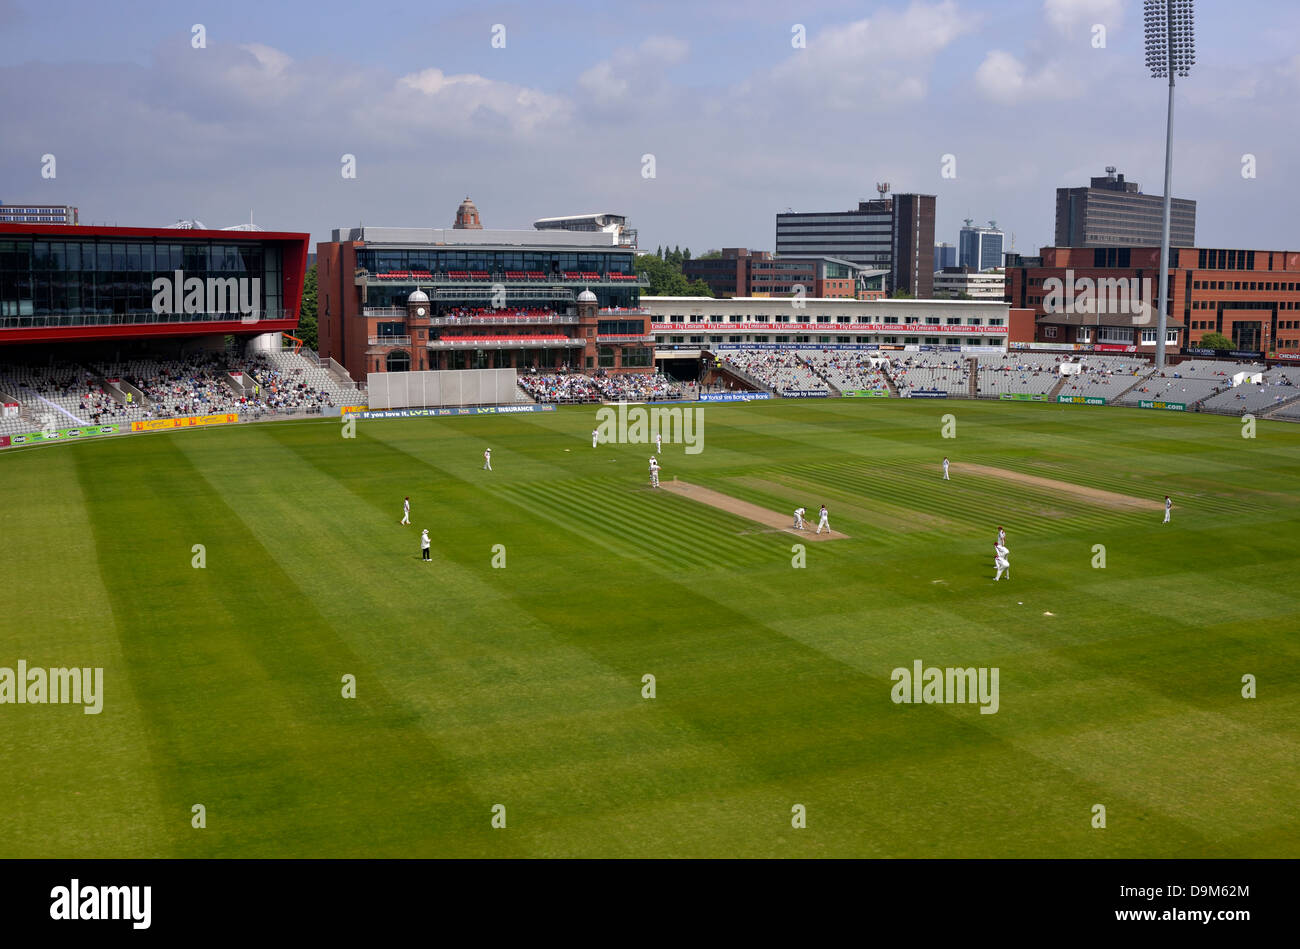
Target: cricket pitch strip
(752, 512)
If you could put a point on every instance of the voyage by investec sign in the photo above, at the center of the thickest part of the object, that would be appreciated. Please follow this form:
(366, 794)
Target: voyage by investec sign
(181, 294)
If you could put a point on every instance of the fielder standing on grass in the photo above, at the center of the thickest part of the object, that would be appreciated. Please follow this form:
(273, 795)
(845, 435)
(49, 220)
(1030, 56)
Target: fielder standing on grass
(424, 545)
(659, 443)
(1168, 506)
(487, 459)
(595, 434)
(825, 520)
(406, 511)
(654, 472)
(1002, 561)
(945, 469)
(1002, 536)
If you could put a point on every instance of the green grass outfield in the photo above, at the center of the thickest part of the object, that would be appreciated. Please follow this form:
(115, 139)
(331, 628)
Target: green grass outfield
(522, 686)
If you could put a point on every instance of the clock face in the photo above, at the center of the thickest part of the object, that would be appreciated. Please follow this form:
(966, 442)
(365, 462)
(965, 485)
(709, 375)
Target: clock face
(419, 311)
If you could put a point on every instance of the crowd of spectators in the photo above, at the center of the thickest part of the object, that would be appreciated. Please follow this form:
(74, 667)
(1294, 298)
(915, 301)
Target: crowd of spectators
(637, 387)
(780, 369)
(559, 387)
(846, 369)
(931, 371)
(471, 313)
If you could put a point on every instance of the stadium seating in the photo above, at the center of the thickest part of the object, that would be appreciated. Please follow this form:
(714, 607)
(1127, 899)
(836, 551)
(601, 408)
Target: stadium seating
(70, 395)
(1033, 373)
(1277, 387)
(638, 387)
(1038, 373)
(947, 372)
(1187, 391)
(471, 313)
(781, 370)
(559, 387)
(845, 369)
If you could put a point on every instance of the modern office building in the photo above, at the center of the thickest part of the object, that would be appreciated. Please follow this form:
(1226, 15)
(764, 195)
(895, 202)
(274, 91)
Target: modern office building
(945, 255)
(979, 248)
(888, 233)
(607, 221)
(912, 267)
(1108, 296)
(1112, 212)
(963, 282)
(28, 212)
(61, 284)
(391, 299)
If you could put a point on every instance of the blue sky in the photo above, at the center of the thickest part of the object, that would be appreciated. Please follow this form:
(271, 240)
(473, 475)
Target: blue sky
(147, 129)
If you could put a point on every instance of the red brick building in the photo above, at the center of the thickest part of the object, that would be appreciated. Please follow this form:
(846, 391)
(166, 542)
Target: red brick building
(741, 272)
(1108, 296)
(469, 297)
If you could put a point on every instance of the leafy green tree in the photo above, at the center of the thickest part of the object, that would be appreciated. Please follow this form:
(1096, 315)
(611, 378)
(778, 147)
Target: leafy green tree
(1214, 341)
(903, 295)
(666, 279)
(307, 316)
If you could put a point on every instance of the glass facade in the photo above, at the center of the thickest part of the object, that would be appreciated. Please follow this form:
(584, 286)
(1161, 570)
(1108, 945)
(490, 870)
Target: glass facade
(67, 282)
(465, 258)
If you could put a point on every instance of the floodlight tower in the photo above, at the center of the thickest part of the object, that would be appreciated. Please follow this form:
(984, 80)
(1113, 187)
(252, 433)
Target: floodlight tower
(1171, 49)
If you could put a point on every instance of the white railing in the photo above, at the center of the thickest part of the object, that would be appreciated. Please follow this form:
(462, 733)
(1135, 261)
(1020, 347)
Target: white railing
(390, 341)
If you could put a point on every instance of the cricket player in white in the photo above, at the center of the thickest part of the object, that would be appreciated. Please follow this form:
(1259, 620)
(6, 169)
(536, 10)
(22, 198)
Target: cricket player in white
(945, 470)
(825, 520)
(798, 519)
(424, 545)
(406, 512)
(487, 459)
(1002, 561)
(1002, 536)
(654, 472)
(595, 434)
(659, 443)
(1168, 504)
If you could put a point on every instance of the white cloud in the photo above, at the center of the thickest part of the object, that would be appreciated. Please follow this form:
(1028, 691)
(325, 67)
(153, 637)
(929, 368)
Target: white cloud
(459, 100)
(880, 60)
(1064, 15)
(637, 71)
(1004, 78)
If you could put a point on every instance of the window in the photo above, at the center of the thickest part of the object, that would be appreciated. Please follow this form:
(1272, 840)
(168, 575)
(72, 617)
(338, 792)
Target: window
(1049, 332)
(638, 356)
(398, 361)
(606, 357)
